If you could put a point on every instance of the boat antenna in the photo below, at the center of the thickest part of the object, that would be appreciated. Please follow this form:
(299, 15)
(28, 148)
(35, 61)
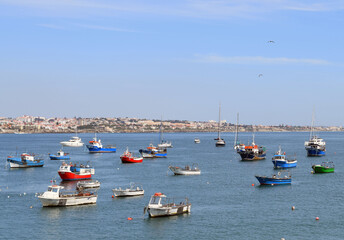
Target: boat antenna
(160, 132)
(236, 131)
(253, 143)
(218, 133)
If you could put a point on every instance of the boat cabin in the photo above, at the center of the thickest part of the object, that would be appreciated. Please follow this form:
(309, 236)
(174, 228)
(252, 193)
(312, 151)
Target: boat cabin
(27, 157)
(52, 192)
(157, 199)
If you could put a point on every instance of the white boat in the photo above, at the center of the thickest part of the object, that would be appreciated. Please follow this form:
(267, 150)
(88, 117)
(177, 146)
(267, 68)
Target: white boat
(163, 143)
(197, 140)
(131, 191)
(88, 184)
(54, 197)
(73, 142)
(194, 170)
(220, 142)
(160, 206)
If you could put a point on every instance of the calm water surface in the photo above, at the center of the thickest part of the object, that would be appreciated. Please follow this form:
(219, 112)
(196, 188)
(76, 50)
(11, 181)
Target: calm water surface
(224, 202)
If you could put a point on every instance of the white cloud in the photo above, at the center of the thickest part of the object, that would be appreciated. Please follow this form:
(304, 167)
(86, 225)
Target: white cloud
(258, 60)
(97, 27)
(52, 26)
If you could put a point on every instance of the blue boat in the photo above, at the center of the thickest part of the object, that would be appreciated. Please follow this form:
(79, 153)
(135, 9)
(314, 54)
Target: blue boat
(274, 180)
(280, 161)
(96, 146)
(153, 152)
(61, 155)
(25, 161)
(315, 147)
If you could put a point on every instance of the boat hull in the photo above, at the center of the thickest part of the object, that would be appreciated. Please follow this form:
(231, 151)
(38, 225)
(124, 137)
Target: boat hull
(17, 163)
(180, 171)
(92, 149)
(322, 169)
(315, 152)
(150, 154)
(70, 176)
(71, 144)
(125, 159)
(127, 193)
(251, 157)
(54, 157)
(284, 164)
(273, 181)
(73, 201)
(169, 211)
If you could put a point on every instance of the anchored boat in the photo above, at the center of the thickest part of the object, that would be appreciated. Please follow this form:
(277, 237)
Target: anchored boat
(163, 143)
(275, 179)
(280, 161)
(131, 191)
(69, 172)
(325, 167)
(73, 142)
(25, 161)
(61, 155)
(96, 146)
(161, 206)
(315, 147)
(220, 142)
(153, 152)
(88, 184)
(128, 157)
(54, 197)
(252, 152)
(193, 170)
(197, 140)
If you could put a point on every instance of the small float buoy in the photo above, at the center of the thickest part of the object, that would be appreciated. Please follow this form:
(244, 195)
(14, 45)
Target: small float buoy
(282, 238)
(112, 196)
(293, 208)
(51, 180)
(24, 193)
(207, 182)
(117, 168)
(317, 218)
(8, 196)
(252, 184)
(30, 206)
(129, 218)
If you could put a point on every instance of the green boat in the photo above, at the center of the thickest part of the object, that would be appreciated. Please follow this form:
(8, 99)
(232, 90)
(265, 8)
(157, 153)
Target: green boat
(325, 167)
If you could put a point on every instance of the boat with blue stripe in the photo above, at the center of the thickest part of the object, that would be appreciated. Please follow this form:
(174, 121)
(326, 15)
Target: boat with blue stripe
(96, 146)
(280, 161)
(315, 146)
(153, 152)
(275, 179)
(61, 155)
(25, 161)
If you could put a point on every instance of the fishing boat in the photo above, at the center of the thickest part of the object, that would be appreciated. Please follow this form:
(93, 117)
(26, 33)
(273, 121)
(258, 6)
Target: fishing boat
(88, 184)
(54, 197)
(251, 152)
(220, 142)
(128, 157)
(131, 191)
(315, 146)
(197, 140)
(96, 146)
(61, 155)
(161, 206)
(73, 142)
(163, 143)
(193, 170)
(280, 161)
(69, 172)
(153, 152)
(275, 179)
(325, 167)
(25, 161)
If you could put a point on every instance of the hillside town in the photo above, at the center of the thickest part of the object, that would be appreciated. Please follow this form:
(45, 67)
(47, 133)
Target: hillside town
(31, 124)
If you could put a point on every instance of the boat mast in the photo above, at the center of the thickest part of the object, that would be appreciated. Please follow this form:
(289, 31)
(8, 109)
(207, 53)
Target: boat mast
(218, 135)
(160, 132)
(311, 133)
(236, 131)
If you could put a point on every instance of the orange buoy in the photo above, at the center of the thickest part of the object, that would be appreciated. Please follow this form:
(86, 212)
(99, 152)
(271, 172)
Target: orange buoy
(293, 208)
(112, 196)
(129, 218)
(252, 184)
(317, 218)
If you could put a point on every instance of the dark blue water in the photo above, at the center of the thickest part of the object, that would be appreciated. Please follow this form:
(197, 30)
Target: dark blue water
(224, 202)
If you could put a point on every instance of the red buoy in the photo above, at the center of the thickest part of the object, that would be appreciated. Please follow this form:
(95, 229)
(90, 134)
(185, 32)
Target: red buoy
(252, 184)
(112, 196)
(317, 218)
(129, 218)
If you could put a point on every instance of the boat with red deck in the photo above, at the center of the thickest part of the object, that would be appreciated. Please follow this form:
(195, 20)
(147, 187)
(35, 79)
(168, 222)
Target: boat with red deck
(128, 157)
(69, 172)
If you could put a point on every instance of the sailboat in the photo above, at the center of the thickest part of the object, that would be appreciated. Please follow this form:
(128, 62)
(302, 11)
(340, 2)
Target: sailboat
(163, 143)
(236, 141)
(315, 147)
(220, 142)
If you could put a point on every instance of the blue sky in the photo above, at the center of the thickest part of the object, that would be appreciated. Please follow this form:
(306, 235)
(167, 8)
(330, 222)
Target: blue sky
(176, 59)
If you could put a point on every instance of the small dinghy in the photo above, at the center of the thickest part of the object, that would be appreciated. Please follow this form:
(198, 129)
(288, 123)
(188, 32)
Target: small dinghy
(193, 170)
(197, 140)
(161, 206)
(88, 184)
(61, 155)
(131, 191)
(325, 167)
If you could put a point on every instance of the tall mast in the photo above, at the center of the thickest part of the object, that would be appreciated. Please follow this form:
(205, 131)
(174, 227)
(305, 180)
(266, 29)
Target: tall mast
(161, 131)
(236, 130)
(218, 135)
(311, 133)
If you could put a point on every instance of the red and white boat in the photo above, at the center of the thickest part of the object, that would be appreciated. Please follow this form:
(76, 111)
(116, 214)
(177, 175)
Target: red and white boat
(128, 157)
(69, 172)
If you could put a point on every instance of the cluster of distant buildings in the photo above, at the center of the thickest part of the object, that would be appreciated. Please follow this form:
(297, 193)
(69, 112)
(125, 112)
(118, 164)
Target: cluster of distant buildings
(30, 124)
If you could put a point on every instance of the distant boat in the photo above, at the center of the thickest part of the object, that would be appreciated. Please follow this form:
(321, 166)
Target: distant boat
(128, 157)
(193, 170)
(69, 172)
(252, 152)
(236, 139)
(131, 191)
(25, 161)
(96, 146)
(315, 147)
(73, 142)
(61, 155)
(280, 161)
(197, 140)
(160, 206)
(88, 184)
(54, 197)
(163, 143)
(325, 167)
(153, 152)
(220, 142)
(275, 179)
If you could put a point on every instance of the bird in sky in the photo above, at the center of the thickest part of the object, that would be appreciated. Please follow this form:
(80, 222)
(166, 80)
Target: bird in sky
(271, 41)
(260, 75)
